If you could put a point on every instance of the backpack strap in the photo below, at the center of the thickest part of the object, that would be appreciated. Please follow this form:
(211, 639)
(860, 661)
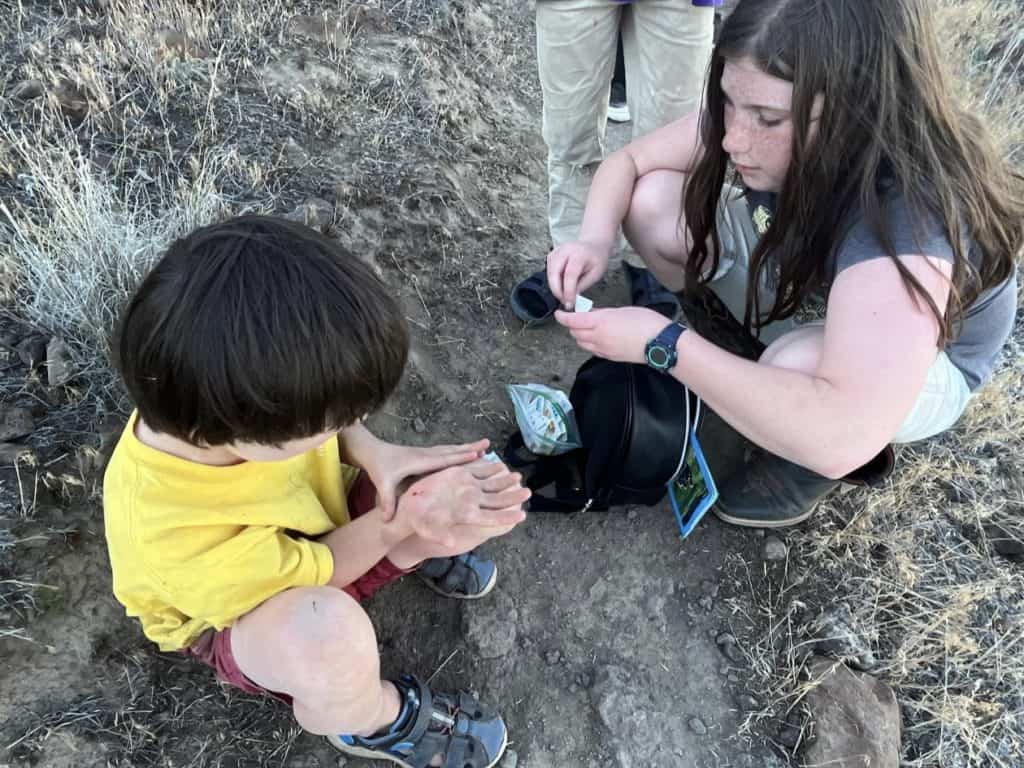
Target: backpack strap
(539, 472)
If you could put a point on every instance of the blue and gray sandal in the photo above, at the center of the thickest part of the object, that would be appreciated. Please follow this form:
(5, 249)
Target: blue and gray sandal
(452, 727)
(463, 577)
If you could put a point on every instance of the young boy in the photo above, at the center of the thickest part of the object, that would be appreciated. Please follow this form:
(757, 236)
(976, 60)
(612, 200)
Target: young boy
(240, 527)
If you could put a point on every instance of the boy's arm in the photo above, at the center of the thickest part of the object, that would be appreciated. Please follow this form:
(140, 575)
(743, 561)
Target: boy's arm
(357, 546)
(389, 465)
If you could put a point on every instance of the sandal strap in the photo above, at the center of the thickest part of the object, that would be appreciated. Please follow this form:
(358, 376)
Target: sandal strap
(457, 575)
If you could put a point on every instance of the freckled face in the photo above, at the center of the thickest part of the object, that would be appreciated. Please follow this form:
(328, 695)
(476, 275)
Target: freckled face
(758, 124)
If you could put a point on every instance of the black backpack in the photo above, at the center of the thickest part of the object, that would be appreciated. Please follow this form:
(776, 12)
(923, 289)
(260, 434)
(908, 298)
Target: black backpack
(634, 423)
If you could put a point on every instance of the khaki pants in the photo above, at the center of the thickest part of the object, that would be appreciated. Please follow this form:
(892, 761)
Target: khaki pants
(945, 395)
(667, 45)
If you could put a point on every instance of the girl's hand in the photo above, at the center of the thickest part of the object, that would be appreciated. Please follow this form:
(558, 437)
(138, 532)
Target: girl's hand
(574, 267)
(614, 334)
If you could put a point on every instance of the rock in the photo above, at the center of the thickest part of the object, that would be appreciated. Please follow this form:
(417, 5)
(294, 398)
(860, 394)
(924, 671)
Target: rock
(727, 645)
(327, 29)
(552, 657)
(1004, 540)
(341, 762)
(15, 422)
(709, 587)
(706, 602)
(12, 452)
(71, 100)
(175, 44)
(856, 719)
(792, 731)
(774, 549)
(419, 425)
(294, 154)
(510, 760)
(32, 351)
(365, 18)
(59, 369)
(315, 212)
(697, 726)
(748, 703)
(835, 635)
(640, 736)
(490, 627)
(28, 90)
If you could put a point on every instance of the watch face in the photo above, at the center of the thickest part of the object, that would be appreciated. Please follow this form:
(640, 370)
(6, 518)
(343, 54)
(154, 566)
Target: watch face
(658, 357)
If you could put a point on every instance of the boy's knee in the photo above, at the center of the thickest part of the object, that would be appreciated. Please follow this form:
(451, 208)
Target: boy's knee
(323, 620)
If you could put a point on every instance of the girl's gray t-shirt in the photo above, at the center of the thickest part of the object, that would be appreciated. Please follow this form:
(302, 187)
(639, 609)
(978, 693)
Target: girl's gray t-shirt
(987, 322)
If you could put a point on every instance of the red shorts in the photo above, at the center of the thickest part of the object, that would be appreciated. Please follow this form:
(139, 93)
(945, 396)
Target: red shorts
(214, 648)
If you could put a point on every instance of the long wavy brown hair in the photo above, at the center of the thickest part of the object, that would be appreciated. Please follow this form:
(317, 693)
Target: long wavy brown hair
(890, 116)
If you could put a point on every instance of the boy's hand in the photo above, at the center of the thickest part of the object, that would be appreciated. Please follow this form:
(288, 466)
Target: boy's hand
(390, 465)
(483, 494)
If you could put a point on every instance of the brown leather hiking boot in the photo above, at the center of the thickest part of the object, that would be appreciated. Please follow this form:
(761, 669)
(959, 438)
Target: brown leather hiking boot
(770, 492)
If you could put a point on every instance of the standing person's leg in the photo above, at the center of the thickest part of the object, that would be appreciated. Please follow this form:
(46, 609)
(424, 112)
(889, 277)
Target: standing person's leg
(666, 46)
(576, 42)
(618, 107)
(575, 57)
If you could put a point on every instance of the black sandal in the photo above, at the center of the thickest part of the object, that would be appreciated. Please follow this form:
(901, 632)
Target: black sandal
(646, 291)
(532, 300)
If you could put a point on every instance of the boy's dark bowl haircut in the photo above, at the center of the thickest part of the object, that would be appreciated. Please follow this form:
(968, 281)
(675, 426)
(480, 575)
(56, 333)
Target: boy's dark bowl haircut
(259, 330)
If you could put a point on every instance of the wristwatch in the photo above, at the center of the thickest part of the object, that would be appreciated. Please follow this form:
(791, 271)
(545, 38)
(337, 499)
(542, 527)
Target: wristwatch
(660, 352)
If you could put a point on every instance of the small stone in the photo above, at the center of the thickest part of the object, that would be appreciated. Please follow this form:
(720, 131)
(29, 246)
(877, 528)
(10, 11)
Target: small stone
(709, 587)
(72, 100)
(316, 213)
(759, 533)
(32, 351)
(697, 726)
(294, 154)
(724, 669)
(707, 603)
(510, 760)
(552, 657)
(1004, 540)
(12, 452)
(342, 762)
(174, 44)
(28, 90)
(733, 678)
(490, 629)
(774, 549)
(727, 645)
(419, 425)
(632, 514)
(15, 422)
(748, 703)
(836, 634)
(59, 369)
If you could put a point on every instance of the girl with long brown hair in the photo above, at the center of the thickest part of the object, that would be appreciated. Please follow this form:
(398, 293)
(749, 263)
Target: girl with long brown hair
(855, 177)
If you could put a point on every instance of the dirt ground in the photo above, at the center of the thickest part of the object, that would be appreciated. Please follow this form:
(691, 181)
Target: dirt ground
(418, 125)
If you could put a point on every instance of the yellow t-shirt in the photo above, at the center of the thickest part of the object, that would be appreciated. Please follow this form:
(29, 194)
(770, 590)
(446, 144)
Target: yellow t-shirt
(193, 546)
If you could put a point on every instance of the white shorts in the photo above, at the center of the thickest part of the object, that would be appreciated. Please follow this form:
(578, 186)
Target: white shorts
(945, 395)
